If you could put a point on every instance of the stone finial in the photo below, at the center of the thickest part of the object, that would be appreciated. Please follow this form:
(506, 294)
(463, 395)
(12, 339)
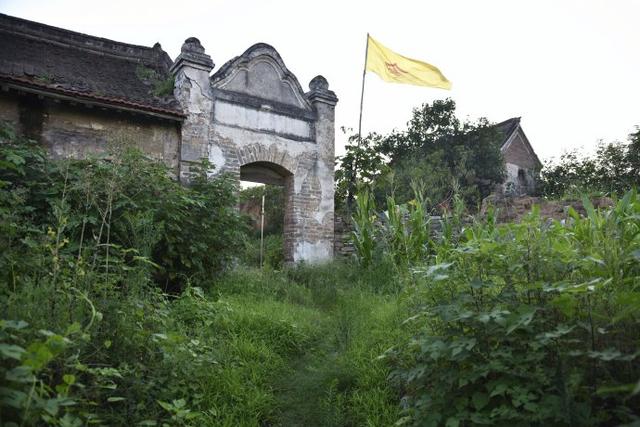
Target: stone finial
(192, 45)
(192, 54)
(319, 91)
(319, 83)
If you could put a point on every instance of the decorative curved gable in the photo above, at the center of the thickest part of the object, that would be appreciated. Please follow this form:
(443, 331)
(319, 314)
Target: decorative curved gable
(261, 73)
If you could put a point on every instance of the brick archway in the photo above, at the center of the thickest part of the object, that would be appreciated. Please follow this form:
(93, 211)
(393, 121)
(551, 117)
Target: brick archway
(252, 118)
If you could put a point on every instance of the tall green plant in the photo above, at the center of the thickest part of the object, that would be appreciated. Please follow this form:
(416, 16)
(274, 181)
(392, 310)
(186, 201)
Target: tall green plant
(364, 234)
(407, 232)
(530, 323)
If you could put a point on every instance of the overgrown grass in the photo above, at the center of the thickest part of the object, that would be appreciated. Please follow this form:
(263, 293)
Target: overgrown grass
(534, 323)
(336, 378)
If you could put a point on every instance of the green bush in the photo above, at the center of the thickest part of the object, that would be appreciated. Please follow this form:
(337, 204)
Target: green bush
(113, 213)
(85, 335)
(273, 255)
(613, 169)
(436, 148)
(528, 324)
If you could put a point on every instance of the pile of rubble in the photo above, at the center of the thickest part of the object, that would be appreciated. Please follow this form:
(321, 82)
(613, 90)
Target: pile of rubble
(513, 209)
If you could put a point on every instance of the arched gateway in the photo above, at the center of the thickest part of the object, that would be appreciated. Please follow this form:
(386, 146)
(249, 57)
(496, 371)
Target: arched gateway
(252, 119)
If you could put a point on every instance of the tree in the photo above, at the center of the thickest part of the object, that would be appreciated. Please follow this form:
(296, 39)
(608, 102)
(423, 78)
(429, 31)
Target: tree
(613, 169)
(437, 150)
(362, 164)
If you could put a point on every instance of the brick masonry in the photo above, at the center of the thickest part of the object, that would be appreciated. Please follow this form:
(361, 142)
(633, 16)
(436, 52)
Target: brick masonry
(253, 120)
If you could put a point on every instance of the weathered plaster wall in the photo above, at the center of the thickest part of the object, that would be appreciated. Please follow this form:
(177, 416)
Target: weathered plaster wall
(9, 112)
(517, 182)
(77, 131)
(308, 229)
(73, 132)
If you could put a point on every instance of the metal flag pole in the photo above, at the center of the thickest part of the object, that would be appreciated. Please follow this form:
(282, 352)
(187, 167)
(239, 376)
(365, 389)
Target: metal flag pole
(364, 74)
(350, 195)
(262, 231)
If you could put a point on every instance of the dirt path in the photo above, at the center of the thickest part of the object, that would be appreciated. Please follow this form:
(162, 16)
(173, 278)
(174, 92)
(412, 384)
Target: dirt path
(304, 392)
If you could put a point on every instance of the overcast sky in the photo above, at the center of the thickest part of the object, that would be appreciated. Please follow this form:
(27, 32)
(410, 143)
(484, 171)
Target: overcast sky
(570, 69)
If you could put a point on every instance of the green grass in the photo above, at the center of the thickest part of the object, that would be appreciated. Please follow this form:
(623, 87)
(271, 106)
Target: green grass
(323, 334)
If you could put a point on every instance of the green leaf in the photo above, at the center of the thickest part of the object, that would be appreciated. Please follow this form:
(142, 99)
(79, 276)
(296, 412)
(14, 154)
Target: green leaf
(180, 403)
(15, 159)
(166, 405)
(13, 324)
(69, 379)
(10, 351)
(38, 356)
(20, 374)
(588, 206)
(499, 389)
(480, 400)
(452, 422)
(522, 317)
(13, 398)
(115, 399)
(52, 406)
(73, 328)
(70, 421)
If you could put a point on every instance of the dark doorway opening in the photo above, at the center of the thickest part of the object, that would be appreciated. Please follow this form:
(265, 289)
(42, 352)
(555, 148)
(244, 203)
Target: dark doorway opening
(272, 181)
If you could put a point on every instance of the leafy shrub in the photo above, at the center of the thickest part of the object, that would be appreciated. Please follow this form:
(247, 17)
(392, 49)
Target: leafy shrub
(528, 324)
(402, 232)
(273, 255)
(363, 236)
(85, 336)
(115, 212)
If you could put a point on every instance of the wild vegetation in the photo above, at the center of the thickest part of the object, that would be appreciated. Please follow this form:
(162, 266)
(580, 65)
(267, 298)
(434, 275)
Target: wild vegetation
(273, 245)
(612, 169)
(128, 299)
(534, 323)
(441, 152)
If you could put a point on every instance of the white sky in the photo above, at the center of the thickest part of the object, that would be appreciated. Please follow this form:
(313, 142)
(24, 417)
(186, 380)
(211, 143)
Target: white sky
(571, 69)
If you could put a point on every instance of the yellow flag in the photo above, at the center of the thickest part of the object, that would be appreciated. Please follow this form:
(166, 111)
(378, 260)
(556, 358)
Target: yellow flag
(395, 68)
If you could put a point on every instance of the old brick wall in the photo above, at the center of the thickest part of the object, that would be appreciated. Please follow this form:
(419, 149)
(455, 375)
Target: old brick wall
(521, 166)
(72, 132)
(519, 154)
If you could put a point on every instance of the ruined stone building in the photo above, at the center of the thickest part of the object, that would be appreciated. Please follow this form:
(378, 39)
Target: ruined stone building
(251, 118)
(521, 162)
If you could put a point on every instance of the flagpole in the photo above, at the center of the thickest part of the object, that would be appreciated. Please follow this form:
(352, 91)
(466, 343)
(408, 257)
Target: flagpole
(364, 74)
(354, 166)
(262, 230)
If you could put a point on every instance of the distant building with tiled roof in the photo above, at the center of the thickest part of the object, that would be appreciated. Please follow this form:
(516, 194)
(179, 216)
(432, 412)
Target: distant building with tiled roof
(521, 162)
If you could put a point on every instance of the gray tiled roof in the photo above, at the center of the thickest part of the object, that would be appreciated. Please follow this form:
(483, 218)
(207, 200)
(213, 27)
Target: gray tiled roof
(58, 61)
(506, 128)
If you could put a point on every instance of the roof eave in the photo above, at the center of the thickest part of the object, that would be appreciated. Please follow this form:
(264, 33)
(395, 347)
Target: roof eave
(535, 155)
(510, 138)
(8, 82)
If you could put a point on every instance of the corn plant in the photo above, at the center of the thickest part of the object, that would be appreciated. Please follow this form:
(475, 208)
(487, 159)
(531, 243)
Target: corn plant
(363, 235)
